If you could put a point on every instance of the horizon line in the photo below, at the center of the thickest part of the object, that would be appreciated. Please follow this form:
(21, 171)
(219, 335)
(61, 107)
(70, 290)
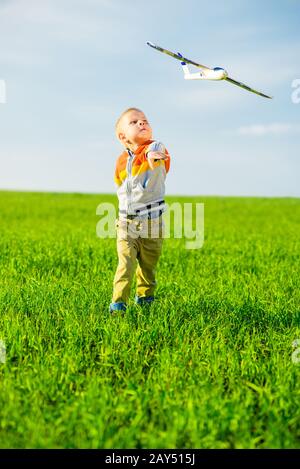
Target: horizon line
(41, 191)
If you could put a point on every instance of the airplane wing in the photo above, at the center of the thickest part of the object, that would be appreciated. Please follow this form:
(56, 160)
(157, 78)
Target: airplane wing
(242, 85)
(178, 57)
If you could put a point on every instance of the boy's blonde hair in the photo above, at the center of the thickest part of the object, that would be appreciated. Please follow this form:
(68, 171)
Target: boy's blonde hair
(124, 114)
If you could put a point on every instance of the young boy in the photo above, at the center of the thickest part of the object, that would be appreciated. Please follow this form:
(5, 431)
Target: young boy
(140, 178)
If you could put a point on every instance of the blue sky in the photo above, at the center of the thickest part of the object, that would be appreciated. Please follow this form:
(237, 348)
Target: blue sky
(72, 66)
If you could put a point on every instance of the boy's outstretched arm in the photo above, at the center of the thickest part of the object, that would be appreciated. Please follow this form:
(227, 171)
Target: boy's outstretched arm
(154, 156)
(157, 152)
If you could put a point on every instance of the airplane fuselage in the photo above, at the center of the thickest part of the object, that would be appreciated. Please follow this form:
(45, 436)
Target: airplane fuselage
(216, 73)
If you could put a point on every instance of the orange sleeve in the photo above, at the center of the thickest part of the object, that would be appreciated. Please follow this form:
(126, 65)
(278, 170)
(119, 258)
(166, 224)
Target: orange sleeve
(117, 178)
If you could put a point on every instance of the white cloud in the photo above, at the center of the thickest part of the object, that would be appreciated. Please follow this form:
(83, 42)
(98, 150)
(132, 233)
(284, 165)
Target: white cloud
(275, 128)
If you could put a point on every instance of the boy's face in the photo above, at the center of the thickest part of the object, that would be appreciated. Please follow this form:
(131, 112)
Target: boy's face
(134, 129)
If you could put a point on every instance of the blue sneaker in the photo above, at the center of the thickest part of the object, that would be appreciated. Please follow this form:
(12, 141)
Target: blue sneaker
(117, 307)
(144, 300)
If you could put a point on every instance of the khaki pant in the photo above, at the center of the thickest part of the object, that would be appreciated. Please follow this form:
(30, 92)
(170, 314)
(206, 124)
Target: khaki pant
(137, 242)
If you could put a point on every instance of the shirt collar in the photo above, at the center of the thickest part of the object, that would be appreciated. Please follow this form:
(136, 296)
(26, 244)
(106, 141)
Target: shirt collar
(140, 148)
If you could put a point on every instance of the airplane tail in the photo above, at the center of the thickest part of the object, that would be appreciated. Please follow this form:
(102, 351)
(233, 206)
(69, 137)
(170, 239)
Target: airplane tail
(185, 68)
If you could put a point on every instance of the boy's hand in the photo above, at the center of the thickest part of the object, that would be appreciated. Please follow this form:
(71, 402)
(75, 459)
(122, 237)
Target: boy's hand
(154, 156)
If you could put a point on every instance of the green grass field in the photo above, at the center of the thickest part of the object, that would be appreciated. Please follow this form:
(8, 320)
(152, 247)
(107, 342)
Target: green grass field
(208, 366)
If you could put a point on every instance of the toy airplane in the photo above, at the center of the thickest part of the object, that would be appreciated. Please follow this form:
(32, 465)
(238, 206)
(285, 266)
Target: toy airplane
(206, 73)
